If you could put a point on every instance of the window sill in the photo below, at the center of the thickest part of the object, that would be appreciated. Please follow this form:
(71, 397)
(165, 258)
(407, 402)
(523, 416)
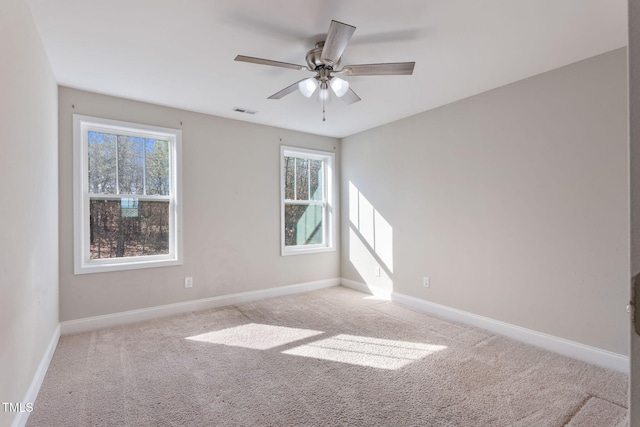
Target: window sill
(103, 267)
(297, 251)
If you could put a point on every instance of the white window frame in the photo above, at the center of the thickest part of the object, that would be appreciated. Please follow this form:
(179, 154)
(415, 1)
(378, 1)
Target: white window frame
(82, 262)
(329, 226)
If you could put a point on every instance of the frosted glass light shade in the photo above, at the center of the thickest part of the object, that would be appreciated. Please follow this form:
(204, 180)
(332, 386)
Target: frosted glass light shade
(339, 86)
(324, 95)
(307, 87)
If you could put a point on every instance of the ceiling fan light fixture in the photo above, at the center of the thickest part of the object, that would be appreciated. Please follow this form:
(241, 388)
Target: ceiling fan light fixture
(324, 96)
(307, 87)
(339, 86)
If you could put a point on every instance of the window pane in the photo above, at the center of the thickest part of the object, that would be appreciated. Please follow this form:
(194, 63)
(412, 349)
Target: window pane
(128, 227)
(289, 177)
(102, 162)
(317, 183)
(303, 225)
(130, 164)
(157, 166)
(302, 179)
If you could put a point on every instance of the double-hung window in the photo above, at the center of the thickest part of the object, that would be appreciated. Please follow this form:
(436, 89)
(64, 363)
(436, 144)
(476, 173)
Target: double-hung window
(307, 210)
(127, 210)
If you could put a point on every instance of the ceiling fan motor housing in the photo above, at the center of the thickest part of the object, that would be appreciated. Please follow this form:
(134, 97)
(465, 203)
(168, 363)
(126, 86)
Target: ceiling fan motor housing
(314, 58)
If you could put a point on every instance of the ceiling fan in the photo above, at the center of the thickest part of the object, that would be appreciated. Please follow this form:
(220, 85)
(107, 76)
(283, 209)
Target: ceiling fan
(324, 60)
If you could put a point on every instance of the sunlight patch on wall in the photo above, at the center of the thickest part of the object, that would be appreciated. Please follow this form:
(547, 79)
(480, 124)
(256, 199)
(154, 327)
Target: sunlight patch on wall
(255, 336)
(372, 226)
(366, 224)
(354, 211)
(384, 240)
(366, 351)
(365, 263)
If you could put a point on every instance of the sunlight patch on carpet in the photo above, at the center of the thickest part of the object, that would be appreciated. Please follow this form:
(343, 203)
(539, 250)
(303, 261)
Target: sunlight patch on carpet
(366, 351)
(255, 336)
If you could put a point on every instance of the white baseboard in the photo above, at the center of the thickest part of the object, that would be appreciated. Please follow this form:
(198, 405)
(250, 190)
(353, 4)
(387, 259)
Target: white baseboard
(133, 316)
(32, 393)
(593, 355)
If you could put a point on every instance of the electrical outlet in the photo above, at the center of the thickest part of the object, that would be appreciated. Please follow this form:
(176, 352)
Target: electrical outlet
(425, 282)
(188, 282)
(377, 271)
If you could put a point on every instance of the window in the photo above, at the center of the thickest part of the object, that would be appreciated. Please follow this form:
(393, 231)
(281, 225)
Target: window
(127, 210)
(306, 180)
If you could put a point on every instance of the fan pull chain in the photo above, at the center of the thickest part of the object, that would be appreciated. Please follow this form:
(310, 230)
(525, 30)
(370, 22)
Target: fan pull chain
(323, 118)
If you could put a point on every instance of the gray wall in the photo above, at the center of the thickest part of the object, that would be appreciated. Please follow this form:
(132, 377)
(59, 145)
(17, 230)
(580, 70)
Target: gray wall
(231, 205)
(29, 208)
(514, 202)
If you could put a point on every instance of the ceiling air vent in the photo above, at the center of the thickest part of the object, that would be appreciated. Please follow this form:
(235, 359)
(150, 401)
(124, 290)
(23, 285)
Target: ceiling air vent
(244, 110)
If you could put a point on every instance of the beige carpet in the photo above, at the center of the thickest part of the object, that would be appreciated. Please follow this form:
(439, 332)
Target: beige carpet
(333, 357)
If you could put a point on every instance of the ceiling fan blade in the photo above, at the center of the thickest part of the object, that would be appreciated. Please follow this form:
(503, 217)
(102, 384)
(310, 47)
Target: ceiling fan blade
(337, 40)
(286, 91)
(261, 61)
(387, 69)
(350, 97)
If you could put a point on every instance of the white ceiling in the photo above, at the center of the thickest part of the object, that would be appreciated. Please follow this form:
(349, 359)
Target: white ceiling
(180, 53)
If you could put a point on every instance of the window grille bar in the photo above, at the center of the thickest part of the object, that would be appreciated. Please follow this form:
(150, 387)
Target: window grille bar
(117, 168)
(295, 178)
(308, 179)
(144, 166)
(305, 202)
(102, 196)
